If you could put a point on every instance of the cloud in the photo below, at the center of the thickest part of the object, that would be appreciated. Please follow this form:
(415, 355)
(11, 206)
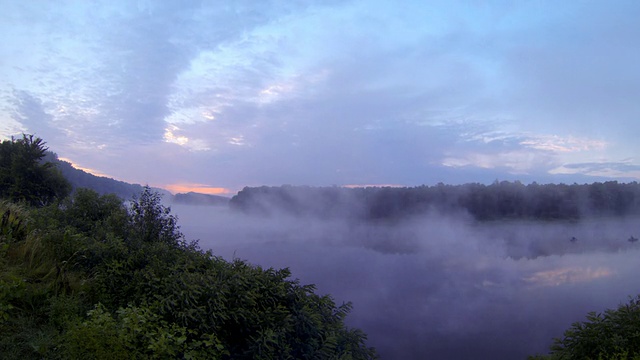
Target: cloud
(524, 152)
(133, 59)
(557, 144)
(30, 111)
(626, 169)
(557, 277)
(515, 162)
(172, 135)
(325, 92)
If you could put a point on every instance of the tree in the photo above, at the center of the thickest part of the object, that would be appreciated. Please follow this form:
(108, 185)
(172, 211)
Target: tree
(24, 176)
(93, 214)
(614, 334)
(150, 221)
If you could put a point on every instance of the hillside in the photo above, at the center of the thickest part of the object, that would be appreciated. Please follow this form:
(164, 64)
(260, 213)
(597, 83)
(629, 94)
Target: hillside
(104, 185)
(101, 184)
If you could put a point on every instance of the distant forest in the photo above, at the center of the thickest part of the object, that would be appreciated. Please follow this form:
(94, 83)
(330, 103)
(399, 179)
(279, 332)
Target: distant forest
(498, 201)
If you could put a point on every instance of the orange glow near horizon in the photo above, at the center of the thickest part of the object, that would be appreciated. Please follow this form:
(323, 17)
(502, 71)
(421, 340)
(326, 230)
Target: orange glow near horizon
(197, 188)
(87, 170)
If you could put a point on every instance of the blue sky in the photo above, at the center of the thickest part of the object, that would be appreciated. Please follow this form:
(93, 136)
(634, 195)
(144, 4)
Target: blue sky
(219, 95)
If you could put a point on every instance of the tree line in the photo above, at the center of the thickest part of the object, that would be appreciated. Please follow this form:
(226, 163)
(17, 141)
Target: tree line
(497, 201)
(89, 276)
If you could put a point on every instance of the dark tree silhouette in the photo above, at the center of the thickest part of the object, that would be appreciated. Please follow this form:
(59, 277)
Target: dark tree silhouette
(25, 176)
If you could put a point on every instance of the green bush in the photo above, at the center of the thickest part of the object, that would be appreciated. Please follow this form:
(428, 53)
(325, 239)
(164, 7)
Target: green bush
(92, 279)
(614, 334)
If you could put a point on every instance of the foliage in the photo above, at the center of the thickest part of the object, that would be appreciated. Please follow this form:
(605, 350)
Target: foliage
(500, 200)
(150, 221)
(134, 333)
(13, 222)
(614, 334)
(90, 213)
(24, 176)
(89, 277)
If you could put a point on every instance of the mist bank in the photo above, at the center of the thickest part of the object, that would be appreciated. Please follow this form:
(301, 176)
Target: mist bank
(441, 286)
(498, 201)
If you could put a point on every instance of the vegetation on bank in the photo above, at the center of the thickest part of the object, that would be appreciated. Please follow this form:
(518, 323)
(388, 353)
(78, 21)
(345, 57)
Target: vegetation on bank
(612, 335)
(497, 201)
(87, 276)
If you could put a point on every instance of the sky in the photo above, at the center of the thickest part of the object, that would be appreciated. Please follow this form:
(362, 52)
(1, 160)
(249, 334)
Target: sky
(213, 96)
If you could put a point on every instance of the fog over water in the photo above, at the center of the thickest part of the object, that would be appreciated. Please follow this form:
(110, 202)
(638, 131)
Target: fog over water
(441, 287)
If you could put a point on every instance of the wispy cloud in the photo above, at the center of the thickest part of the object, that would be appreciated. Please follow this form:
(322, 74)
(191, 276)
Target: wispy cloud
(515, 162)
(522, 152)
(567, 275)
(558, 144)
(324, 92)
(628, 169)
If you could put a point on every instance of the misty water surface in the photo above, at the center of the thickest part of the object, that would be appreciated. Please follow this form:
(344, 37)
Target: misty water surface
(441, 288)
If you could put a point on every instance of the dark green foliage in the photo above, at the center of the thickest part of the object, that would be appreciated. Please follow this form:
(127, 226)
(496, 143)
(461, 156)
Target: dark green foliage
(134, 333)
(89, 278)
(150, 221)
(13, 222)
(95, 215)
(500, 200)
(614, 334)
(251, 313)
(24, 176)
